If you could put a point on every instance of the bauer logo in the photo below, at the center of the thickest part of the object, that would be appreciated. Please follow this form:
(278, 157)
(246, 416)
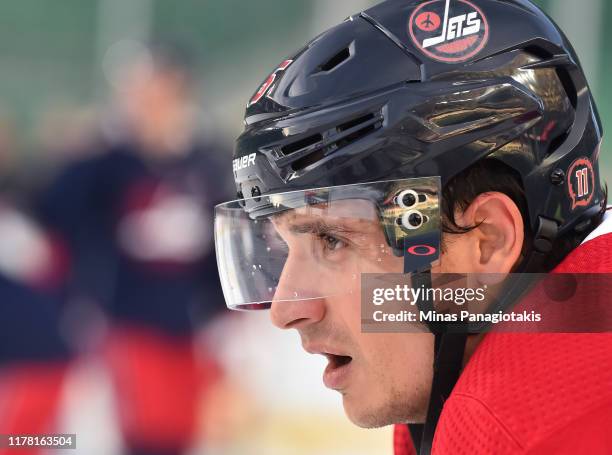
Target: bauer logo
(449, 31)
(244, 162)
(581, 182)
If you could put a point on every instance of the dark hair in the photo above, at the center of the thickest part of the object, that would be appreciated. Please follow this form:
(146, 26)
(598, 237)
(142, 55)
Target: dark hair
(491, 175)
(173, 58)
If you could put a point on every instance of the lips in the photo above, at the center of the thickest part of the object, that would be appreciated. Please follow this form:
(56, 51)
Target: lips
(335, 375)
(339, 365)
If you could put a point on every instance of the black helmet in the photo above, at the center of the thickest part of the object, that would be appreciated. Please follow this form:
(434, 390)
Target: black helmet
(412, 89)
(374, 99)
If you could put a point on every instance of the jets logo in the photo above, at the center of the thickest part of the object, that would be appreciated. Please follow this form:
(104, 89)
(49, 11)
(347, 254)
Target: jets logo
(581, 182)
(449, 31)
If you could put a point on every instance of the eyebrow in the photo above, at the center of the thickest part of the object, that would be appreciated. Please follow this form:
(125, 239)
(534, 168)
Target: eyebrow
(318, 227)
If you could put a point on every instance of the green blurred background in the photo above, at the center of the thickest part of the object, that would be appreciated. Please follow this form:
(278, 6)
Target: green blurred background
(53, 54)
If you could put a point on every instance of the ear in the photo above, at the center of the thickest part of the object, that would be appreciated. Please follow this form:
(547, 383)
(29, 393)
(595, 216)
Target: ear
(497, 240)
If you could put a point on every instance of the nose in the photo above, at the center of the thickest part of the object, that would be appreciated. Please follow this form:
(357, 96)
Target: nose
(297, 302)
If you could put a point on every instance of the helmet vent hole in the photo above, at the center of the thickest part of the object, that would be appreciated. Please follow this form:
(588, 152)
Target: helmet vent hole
(355, 122)
(568, 85)
(305, 152)
(368, 127)
(308, 160)
(301, 144)
(336, 60)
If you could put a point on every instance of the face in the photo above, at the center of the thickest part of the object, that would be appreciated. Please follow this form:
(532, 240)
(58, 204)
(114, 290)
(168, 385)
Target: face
(383, 378)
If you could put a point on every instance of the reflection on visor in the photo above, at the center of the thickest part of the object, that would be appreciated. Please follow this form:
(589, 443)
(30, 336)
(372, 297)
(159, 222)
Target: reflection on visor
(316, 244)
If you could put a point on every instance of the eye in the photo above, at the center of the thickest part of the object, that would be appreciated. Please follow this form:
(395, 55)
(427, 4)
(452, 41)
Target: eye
(331, 243)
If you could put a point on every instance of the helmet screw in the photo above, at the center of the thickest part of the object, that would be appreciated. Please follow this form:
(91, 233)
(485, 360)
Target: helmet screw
(557, 177)
(255, 193)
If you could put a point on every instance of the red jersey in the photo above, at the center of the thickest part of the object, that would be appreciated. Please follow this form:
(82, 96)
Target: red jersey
(524, 393)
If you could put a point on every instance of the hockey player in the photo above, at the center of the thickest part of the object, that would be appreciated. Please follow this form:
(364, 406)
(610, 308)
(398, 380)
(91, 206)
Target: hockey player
(448, 136)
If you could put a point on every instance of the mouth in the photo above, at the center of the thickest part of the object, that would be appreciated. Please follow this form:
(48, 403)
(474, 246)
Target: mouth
(335, 376)
(339, 365)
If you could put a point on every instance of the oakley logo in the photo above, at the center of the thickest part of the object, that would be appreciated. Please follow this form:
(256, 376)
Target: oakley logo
(244, 162)
(449, 30)
(421, 250)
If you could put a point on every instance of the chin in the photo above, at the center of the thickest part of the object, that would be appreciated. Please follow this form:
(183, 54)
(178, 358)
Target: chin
(377, 414)
(363, 414)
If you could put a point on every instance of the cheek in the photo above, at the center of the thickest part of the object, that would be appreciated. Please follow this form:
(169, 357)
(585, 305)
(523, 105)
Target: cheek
(460, 252)
(397, 360)
(392, 379)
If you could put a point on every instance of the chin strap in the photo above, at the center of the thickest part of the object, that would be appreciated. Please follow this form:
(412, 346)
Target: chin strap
(447, 368)
(542, 244)
(449, 347)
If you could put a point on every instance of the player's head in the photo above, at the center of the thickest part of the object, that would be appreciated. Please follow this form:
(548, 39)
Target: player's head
(415, 136)
(154, 93)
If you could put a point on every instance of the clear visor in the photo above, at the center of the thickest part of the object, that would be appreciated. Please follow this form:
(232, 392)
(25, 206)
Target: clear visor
(316, 244)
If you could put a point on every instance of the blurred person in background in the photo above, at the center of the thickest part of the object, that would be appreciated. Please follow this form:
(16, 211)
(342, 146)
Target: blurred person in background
(137, 216)
(34, 356)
